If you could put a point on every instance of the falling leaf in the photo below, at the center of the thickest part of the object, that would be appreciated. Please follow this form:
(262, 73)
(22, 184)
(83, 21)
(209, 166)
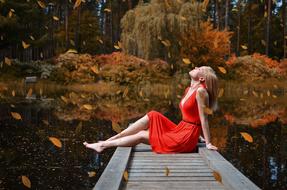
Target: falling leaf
(222, 69)
(16, 115)
(125, 92)
(30, 91)
(7, 61)
(92, 173)
(275, 86)
(220, 93)
(64, 99)
(13, 93)
(107, 10)
(166, 43)
(88, 106)
(116, 127)
(254, 93)
(274, 96)
(95, 69)
(186, 61)
(10, 14)
(126, 175)
(268, 93)
(41, 54)
(72, 51)
(56, 141)
(32, 38)
(26, 181)
(247, 137)
(56, 18)
(217, 176)
(77, 3)
(25, 45)
(117, 47)
(166, 171)
(41, 4)
(244, 47)
(207, 110)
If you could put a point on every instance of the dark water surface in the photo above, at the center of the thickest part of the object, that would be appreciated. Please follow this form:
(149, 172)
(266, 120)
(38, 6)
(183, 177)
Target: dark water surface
(74, 116)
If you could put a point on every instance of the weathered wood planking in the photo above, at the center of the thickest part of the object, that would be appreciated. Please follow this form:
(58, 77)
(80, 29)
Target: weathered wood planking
(148, 170)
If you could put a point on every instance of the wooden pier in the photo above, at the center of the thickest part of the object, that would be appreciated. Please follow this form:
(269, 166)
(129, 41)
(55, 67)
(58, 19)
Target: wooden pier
(139, 168)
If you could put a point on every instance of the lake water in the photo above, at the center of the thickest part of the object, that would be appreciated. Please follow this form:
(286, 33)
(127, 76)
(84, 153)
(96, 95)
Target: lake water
(73, 114)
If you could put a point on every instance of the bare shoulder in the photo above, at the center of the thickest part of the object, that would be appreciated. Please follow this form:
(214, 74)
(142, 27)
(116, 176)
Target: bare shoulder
(201, 93)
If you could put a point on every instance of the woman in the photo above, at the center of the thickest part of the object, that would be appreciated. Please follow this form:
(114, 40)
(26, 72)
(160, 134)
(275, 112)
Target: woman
(162, 134)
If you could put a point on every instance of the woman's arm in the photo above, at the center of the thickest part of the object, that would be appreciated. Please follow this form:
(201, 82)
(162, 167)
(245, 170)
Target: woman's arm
(202, 101)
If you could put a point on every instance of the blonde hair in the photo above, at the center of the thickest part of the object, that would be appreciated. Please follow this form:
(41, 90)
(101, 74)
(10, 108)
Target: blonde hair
(211, 82)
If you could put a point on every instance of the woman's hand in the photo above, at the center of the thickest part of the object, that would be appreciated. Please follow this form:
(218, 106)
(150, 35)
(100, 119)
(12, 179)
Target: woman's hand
(211, 147)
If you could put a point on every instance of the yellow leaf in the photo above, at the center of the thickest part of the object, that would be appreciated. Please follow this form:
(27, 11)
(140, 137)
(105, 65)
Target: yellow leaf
(220, 93)
(92, 173)
(244, 47)
(64, 99)
(10, 14)
(166, 43)
(217, 176)
(117, 47)
(107, 10)
(16, 115)
(55, 141)
(95, 69)
(167, 171)
(101, 41)
(26, 181)
(77, 3)
(88, 106)
(208, 110)
(55, 18)
(41, 4)
(72, 51)
(116, 127)
(30, 91)
(222, 69)
(186, 61)
(7, 61)
(126, 175)
(13, 93)
(247, 137)
(25, 45)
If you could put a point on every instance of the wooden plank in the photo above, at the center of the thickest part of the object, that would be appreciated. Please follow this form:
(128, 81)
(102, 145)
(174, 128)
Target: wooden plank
(231, 177)
(203, 185)
(171, 174)
(172, 178)
(111, 178)
(170, 167)
(176, 170)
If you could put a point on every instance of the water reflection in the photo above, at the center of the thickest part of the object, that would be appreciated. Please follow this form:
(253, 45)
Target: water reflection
(76, 114)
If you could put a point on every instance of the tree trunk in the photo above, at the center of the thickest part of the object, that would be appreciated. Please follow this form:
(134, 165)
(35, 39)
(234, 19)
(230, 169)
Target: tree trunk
(250, 48)
(268, 27)
(238, 28)
(67, 38)
(217, 14)
(226, 14)
(77, 33)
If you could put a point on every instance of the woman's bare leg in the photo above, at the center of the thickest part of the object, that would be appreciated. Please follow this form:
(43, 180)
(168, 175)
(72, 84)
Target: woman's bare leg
(130, 140)
(139, 125)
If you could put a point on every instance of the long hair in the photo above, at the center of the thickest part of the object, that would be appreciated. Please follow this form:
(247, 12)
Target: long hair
(211, 82)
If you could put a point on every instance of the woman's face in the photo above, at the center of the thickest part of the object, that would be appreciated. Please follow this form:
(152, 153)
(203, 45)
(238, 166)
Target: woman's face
(196, 73)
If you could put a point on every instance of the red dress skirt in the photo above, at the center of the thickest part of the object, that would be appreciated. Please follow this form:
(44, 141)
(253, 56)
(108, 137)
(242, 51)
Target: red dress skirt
(167, 137)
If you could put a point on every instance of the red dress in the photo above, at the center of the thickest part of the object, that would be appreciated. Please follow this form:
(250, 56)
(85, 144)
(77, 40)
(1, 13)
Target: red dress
(167, 137)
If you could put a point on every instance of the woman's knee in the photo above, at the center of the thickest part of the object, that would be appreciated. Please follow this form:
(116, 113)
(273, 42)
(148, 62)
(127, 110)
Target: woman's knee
(143, 135)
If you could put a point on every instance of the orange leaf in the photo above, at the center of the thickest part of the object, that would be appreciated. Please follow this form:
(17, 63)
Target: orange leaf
(220, 93)
(88, 106)
(186, 61)
(41, 4)
(55, 18)
(30, 91)
(16, 115)
(217, 176)
(26, 181)
(229, 117)
(77, 3)
(116, 127)
(247, 137)
(25, 45)
(7, 61)
(107, 10)
(222, 69)
(208, 111)
(126, 175)
(55, 141)
(95, 69)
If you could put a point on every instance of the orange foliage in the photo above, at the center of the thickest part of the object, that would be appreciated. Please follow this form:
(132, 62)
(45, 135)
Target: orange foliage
(229, 117)
(231, 59)
(205, 46)
(264, 120)
(268, 61)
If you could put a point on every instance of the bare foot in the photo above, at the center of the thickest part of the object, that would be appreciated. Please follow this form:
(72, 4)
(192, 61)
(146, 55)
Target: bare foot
(98, 147)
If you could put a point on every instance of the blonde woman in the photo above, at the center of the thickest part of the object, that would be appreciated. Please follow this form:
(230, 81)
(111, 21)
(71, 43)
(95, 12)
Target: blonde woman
(163, 135)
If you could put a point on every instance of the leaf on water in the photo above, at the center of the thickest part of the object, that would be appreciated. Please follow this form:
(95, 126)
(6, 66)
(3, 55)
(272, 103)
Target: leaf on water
(25, 45)
(207, 110)
(7, 61)
(126, 175)
(30, 91)
(186, 61)
(26, 181)
(247, 137)
(217, 176)
(95, 69)
(166, 171)
(116, 127)
(107, 10)
(77, 3)
(16, 115)
(220, 93)
(72, 51)
(79, 128)
(56, 18)
(41, 4)
(222, 69)
(92, 173)
(13, 93)
(244, 47)
(56, 141)
(88, 106)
